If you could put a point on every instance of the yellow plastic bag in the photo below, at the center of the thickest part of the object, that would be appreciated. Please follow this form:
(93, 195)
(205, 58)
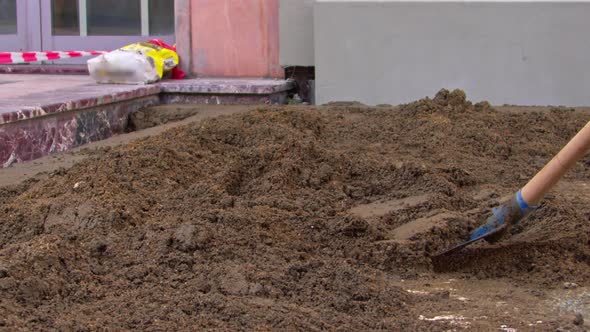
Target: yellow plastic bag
(163, 59)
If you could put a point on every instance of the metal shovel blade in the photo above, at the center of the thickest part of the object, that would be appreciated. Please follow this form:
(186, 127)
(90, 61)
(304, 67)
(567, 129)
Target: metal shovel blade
(465, 244)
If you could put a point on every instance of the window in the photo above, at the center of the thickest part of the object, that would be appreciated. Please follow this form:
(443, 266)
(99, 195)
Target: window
(111, 17)
(114, 17)
(65, 19)
(8, 17)
(161, 17)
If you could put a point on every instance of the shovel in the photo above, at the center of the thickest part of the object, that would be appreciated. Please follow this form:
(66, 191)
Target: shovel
(528, 198)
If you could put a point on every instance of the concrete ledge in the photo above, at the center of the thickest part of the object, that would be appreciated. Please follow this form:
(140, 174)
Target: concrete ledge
(58, 101)
(42, 114)
(224, 99)
(44, 69)
(226, 86)
(38, 137)
(83, 94)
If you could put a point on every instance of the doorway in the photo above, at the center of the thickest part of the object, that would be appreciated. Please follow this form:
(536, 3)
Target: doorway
(57, 25)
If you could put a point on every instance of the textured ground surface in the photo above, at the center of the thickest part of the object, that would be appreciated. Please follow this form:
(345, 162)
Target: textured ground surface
(302, 219)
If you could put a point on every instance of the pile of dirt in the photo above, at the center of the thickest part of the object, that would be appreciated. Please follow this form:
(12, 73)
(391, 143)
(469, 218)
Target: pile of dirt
(285, 218)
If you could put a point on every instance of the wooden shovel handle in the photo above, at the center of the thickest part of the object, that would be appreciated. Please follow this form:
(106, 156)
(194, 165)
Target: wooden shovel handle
(539, 185)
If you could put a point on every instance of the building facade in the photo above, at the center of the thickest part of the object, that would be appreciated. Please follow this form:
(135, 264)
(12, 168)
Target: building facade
(373, 51)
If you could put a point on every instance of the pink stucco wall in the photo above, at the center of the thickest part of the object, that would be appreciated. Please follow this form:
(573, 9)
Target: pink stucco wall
(235, 38)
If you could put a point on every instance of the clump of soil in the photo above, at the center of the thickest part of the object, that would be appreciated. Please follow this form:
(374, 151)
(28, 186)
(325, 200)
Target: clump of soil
(158, 115)
(245, 222)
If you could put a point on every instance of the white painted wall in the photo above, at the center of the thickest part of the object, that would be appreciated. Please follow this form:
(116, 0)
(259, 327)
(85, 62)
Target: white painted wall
(527, 53)
(296, 32)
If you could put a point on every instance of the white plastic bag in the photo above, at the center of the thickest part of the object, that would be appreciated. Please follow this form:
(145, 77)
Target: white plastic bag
(123, 67)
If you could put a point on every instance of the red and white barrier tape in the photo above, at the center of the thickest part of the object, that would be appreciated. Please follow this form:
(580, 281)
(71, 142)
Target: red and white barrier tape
(23, 57)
